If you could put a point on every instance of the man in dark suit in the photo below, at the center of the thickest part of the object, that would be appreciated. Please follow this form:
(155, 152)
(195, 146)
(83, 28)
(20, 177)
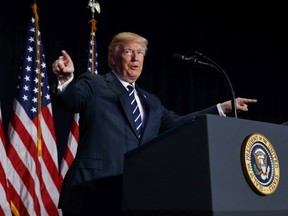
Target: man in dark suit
(93, 183)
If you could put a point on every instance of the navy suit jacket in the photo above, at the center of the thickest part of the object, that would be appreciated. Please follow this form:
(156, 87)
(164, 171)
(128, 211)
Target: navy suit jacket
(106, 134)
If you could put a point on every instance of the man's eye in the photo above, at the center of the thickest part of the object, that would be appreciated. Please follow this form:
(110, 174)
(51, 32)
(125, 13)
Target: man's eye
(140, 53)
(128, 52)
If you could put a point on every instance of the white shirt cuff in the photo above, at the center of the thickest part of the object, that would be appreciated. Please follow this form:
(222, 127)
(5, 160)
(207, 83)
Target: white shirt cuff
(61, 87)
(220, 110)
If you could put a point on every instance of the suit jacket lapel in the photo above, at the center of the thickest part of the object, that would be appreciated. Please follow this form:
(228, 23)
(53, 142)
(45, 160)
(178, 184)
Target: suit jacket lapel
(116, 86)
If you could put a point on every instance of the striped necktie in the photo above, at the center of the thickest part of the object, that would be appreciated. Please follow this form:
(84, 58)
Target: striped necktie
(135, 110)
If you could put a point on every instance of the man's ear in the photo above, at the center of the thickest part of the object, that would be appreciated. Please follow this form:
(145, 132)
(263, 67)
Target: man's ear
(113, 60)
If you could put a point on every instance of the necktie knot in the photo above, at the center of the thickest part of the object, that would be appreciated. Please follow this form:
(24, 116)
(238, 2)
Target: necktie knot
(130, 89)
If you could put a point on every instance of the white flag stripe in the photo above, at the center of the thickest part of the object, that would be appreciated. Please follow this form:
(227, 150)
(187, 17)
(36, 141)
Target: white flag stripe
(29, 163)
(28, 160)
(72, 145)
(19, 186)
(4, 204)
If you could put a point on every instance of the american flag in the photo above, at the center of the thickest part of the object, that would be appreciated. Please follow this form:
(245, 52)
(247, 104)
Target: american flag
(33, 174)
(72, 144)
(73, 137)
(4, 204)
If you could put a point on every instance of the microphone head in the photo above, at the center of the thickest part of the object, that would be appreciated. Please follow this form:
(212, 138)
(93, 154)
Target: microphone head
(184, 59)
(193, 60)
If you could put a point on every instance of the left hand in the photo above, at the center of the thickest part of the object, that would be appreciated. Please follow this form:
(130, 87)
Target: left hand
(241, 104)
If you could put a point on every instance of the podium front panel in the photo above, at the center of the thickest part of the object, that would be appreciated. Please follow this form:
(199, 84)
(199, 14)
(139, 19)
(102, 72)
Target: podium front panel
(196, 170)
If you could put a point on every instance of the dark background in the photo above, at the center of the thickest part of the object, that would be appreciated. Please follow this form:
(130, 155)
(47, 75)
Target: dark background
(248, 41)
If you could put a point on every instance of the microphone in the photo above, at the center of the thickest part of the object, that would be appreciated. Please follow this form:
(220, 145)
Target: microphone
(194, 59)
(208, 62)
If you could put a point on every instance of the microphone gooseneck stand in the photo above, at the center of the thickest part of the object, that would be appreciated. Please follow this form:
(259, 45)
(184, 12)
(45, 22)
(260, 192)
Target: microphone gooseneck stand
(213, 64)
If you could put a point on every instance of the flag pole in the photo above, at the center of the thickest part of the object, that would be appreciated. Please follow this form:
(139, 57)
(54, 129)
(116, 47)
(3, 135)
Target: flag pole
(73, 137)
(39, 139)
(94, 6)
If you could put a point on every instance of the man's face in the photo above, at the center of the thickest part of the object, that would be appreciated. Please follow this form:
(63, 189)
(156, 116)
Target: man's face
(129, 61)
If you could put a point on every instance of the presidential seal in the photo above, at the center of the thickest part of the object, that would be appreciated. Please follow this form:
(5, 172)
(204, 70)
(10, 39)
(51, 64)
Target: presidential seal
(260, 164)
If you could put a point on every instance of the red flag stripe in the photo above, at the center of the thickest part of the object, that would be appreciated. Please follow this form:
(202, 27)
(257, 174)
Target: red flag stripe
(4, 204)
(71, 149)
